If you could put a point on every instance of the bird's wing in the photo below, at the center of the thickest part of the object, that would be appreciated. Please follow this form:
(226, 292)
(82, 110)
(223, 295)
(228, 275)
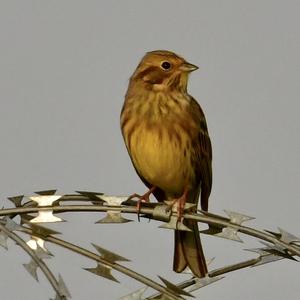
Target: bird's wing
(203, 153)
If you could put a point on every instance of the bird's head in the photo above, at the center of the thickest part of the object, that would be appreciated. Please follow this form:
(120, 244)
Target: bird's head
(163, 70)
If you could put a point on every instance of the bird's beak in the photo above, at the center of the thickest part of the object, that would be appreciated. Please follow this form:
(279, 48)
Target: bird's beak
(187, 67)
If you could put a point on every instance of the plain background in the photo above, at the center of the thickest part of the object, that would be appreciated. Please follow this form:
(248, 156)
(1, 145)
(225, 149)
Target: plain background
(64, 69)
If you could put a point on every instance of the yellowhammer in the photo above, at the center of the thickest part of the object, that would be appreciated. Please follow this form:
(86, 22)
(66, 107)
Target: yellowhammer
(166, 136)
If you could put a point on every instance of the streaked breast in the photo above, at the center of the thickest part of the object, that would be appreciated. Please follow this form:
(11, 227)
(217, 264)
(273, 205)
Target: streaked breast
(158, 144)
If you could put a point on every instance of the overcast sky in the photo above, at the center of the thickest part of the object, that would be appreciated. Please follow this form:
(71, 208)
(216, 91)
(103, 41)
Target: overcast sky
(64, 69)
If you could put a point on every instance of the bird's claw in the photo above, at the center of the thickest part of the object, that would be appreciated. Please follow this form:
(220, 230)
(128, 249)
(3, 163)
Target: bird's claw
(180, 206)
(141, 198)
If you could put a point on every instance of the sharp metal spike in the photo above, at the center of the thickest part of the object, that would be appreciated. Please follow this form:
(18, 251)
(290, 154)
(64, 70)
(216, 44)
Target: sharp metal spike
(174, 206)
(36, 242)
(103, 271)
(31, 268)
(11, 225)
(38, 230)
(278, 235)
(230, 234)
(42, 230)
(175, 225)
(285, 236)
(113, 216)
(265, 259)
(45, 200)
(25, 219)
(174, 221)
(277, 250)
(260, 251)
(264, 255)
(113, 200)
(212, 230)
(42, 253)
(237, 218)
(270, 247)
(201, 282)
(16, 200)
(63, 290)
(108, 255)
(188, 206)
(288, 237)
(136, 295)
(46, 192)
(225, 232)
(3, 240)
(175, 289)
(45, 216)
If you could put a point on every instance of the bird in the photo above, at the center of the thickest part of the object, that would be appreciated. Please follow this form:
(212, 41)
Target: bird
(166, 135)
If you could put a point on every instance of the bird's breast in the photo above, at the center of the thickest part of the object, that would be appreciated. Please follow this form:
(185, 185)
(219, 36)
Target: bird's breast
(158, 133)
(159, 154)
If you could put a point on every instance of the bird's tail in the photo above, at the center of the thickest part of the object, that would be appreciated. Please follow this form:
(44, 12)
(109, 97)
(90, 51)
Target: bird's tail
(188, 250)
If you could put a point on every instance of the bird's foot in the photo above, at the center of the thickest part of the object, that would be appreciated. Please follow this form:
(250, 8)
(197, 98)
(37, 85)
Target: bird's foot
(180, 205)
(141, 198)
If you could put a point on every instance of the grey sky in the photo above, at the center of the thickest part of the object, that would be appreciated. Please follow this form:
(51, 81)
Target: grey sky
(64, 69)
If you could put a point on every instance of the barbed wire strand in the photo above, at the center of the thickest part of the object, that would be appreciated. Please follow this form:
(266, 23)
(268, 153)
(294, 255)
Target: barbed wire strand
(84, 252)
(44, 268)
(213, 220)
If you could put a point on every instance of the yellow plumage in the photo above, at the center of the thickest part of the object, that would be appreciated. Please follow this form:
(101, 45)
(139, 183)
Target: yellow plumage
(155, 152)
(166, 136)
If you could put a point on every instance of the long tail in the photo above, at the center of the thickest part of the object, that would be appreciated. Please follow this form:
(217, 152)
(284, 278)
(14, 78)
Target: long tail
(188, 251)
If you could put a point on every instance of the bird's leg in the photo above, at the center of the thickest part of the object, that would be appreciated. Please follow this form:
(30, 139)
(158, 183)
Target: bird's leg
(142, 198)
(180, 204)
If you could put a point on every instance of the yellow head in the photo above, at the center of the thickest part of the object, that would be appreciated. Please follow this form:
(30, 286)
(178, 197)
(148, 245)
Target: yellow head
(163, 70)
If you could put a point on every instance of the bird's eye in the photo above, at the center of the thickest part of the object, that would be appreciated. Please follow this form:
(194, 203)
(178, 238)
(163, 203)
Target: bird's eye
(166, 65)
